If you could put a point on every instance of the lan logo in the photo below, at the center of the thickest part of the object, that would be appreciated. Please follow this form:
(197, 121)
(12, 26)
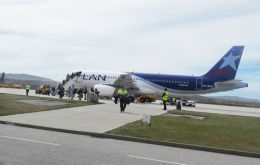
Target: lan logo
(96, 77)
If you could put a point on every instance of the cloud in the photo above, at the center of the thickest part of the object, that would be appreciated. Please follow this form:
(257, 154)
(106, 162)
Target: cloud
(19, 2)
(53, 38)
(10, 32)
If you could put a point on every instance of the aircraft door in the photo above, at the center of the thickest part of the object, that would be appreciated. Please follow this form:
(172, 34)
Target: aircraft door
(199, 84)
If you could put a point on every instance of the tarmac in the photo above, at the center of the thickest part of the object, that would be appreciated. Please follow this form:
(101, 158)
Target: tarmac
(98, 118)
(95, 120)
(105, 117)
(209, 108)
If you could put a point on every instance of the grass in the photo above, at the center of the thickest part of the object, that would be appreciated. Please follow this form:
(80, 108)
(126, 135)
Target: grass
(221, 131)
(8, 105)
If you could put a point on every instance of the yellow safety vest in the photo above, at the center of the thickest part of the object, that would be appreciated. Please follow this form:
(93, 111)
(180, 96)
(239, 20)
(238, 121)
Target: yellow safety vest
(165, 96)
(28, 87)
(122, 92)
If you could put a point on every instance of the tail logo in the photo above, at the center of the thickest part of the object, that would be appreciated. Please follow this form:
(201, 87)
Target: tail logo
(230, 60)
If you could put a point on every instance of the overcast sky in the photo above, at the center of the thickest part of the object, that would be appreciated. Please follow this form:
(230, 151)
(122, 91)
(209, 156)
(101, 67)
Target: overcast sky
(51, 38)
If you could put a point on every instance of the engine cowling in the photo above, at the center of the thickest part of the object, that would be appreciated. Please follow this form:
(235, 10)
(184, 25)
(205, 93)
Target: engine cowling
(105, 90)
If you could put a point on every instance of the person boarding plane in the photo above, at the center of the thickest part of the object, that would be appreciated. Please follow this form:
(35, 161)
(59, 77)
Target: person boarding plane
(221, 77)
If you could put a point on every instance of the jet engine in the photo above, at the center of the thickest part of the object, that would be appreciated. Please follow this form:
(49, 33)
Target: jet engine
(105, 90)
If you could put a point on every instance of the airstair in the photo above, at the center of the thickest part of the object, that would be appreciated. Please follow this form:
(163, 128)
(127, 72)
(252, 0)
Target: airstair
(77, 81)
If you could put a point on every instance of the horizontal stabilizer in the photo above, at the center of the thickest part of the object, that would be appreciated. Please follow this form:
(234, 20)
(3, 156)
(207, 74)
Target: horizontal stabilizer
(235, 84)
(227, 83)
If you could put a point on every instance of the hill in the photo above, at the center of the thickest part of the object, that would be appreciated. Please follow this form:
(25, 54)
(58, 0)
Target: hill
(35, 81)
(25, 77)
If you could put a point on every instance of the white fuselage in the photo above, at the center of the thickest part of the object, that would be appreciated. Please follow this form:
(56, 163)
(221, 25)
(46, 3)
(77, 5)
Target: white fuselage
(103, 80)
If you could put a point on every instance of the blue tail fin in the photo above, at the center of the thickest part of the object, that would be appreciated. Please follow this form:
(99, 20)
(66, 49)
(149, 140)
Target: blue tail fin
(227, 66)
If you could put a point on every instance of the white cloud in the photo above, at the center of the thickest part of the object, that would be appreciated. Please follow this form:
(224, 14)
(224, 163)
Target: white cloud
(52, 37)
(19, 2)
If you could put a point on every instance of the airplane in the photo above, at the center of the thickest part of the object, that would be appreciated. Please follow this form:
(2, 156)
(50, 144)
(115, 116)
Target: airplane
(221, 77)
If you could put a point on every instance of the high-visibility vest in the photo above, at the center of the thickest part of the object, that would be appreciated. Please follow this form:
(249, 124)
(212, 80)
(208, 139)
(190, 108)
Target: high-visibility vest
(122, 92)
(28, 86)
(165, 96)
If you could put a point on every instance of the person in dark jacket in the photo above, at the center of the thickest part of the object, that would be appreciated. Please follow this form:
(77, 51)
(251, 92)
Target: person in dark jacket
(92, 89)
(80, 93)
(85, 92)
(61, 91)
(115, 96)
(178, 104)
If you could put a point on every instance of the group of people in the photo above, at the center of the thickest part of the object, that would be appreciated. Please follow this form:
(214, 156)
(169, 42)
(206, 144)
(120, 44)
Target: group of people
(72, 91)
(166, 98)
(121, 95)
(95, 91)
(80, 92)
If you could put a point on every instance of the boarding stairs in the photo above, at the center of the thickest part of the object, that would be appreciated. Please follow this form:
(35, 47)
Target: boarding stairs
(76, 81)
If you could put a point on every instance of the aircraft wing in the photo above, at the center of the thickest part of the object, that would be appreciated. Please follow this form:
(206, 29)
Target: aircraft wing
(125, 80)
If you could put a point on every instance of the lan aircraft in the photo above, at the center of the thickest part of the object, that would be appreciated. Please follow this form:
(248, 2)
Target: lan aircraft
(220, 78)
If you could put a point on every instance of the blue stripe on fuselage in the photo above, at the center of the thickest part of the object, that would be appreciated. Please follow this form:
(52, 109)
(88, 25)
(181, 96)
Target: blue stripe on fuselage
(176, 82)
(170, 81)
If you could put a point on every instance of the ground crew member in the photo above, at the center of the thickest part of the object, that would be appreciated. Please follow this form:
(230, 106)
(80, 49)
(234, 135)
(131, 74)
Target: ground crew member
(27, 88)
(122, 94)
(165, 98)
